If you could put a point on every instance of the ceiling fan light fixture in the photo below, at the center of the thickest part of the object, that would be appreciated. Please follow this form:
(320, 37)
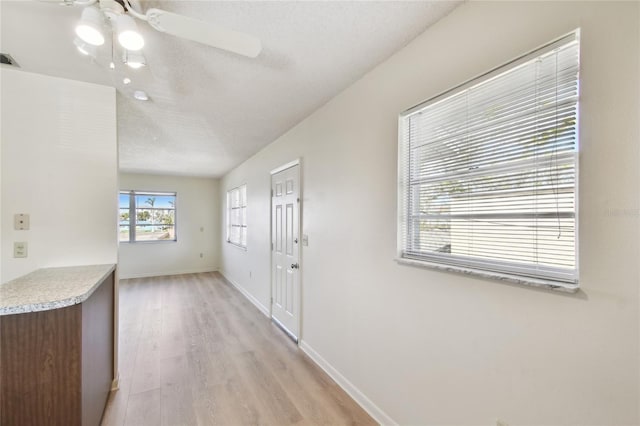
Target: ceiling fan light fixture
(128, 34)
(85, 48)
(88, 29)
(135, 65)
(134, 60)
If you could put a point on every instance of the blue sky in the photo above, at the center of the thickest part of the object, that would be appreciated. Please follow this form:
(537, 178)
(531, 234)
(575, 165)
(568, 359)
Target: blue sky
(162, 201)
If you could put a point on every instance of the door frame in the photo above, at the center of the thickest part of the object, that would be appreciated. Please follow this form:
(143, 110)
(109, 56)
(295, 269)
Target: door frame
(293, 163)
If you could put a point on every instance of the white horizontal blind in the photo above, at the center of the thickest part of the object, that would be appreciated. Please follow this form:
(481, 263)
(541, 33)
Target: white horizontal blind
(237, 216)
(488, 173)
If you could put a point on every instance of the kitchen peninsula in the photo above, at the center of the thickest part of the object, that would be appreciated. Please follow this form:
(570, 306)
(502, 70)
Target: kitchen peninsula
(57, 346)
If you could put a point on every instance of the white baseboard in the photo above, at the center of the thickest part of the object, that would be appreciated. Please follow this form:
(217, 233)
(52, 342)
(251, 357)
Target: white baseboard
(248, 295)
(374, 411)
(115, 383)
(165, 273)
(355, 393)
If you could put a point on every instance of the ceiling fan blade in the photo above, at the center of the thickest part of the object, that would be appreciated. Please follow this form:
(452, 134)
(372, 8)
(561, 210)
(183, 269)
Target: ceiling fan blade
(203, 32)
(71, 2)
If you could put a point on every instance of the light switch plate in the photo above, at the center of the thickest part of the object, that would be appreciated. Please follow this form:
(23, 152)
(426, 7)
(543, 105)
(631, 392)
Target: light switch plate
(21, 222)
(20, 249)
(305, 240)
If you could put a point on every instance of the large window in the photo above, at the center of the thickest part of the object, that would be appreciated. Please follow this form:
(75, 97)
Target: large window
(488, 172)
(237, 216)
(147, 216)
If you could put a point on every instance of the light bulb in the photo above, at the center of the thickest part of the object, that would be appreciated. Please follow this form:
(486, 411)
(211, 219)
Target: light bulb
(128, 34)
(88, 29)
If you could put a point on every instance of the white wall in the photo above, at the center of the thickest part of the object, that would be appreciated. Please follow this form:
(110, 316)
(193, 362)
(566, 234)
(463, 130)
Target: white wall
(250, 269)
(197, 207)
(60, 165)
(428, 347)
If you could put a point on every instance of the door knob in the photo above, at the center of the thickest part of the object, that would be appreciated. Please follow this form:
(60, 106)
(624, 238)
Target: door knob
(294, 266)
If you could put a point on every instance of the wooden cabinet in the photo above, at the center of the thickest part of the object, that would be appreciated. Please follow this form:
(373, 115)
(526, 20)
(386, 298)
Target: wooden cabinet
(56, 366)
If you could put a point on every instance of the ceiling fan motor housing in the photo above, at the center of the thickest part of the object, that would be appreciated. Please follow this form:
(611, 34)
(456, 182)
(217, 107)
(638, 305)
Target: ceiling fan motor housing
(112, 8)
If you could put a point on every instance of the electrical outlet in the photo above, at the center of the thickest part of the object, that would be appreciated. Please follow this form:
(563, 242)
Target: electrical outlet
(21, 222)
(20, 249)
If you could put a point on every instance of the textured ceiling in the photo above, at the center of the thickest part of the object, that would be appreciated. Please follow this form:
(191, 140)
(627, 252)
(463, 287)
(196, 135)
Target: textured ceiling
(210, 109)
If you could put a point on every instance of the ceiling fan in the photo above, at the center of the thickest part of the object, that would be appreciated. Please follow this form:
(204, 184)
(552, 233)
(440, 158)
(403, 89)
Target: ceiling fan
(120, 14)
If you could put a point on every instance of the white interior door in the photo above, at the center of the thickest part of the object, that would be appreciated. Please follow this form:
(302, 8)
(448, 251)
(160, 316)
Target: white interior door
(285, 265)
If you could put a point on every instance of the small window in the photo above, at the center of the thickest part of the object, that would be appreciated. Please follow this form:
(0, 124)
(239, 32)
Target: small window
(147, 216)
(237, 216)
(488, 172)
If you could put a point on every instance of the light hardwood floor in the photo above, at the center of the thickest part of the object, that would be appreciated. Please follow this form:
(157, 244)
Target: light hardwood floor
(194, 351)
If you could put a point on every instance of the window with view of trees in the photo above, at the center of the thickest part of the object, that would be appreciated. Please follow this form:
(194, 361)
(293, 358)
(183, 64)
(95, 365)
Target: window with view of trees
(488, 172)
(147, 216)
(237, 216)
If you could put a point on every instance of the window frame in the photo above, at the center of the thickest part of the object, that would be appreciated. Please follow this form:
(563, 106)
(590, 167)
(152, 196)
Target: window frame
(241, 189)
(404, 171)
(133, 215)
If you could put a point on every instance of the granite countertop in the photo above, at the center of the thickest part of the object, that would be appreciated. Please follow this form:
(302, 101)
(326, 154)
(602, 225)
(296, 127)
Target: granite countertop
(51, 288)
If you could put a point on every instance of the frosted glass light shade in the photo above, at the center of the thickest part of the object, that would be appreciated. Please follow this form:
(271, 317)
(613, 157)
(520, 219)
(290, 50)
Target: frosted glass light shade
(134, 60)
(85, 48)
(135, 65)
(88, 29)
(128, 35)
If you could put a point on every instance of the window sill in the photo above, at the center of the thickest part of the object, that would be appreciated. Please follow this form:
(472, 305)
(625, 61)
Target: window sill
(149, 242)
(512, 279)
(239, 247)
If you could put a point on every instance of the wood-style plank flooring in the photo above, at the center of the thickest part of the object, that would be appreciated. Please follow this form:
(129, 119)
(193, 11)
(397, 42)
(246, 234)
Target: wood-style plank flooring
(194, 351)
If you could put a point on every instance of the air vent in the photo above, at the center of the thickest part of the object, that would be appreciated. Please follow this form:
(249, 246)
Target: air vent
(8, 60)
